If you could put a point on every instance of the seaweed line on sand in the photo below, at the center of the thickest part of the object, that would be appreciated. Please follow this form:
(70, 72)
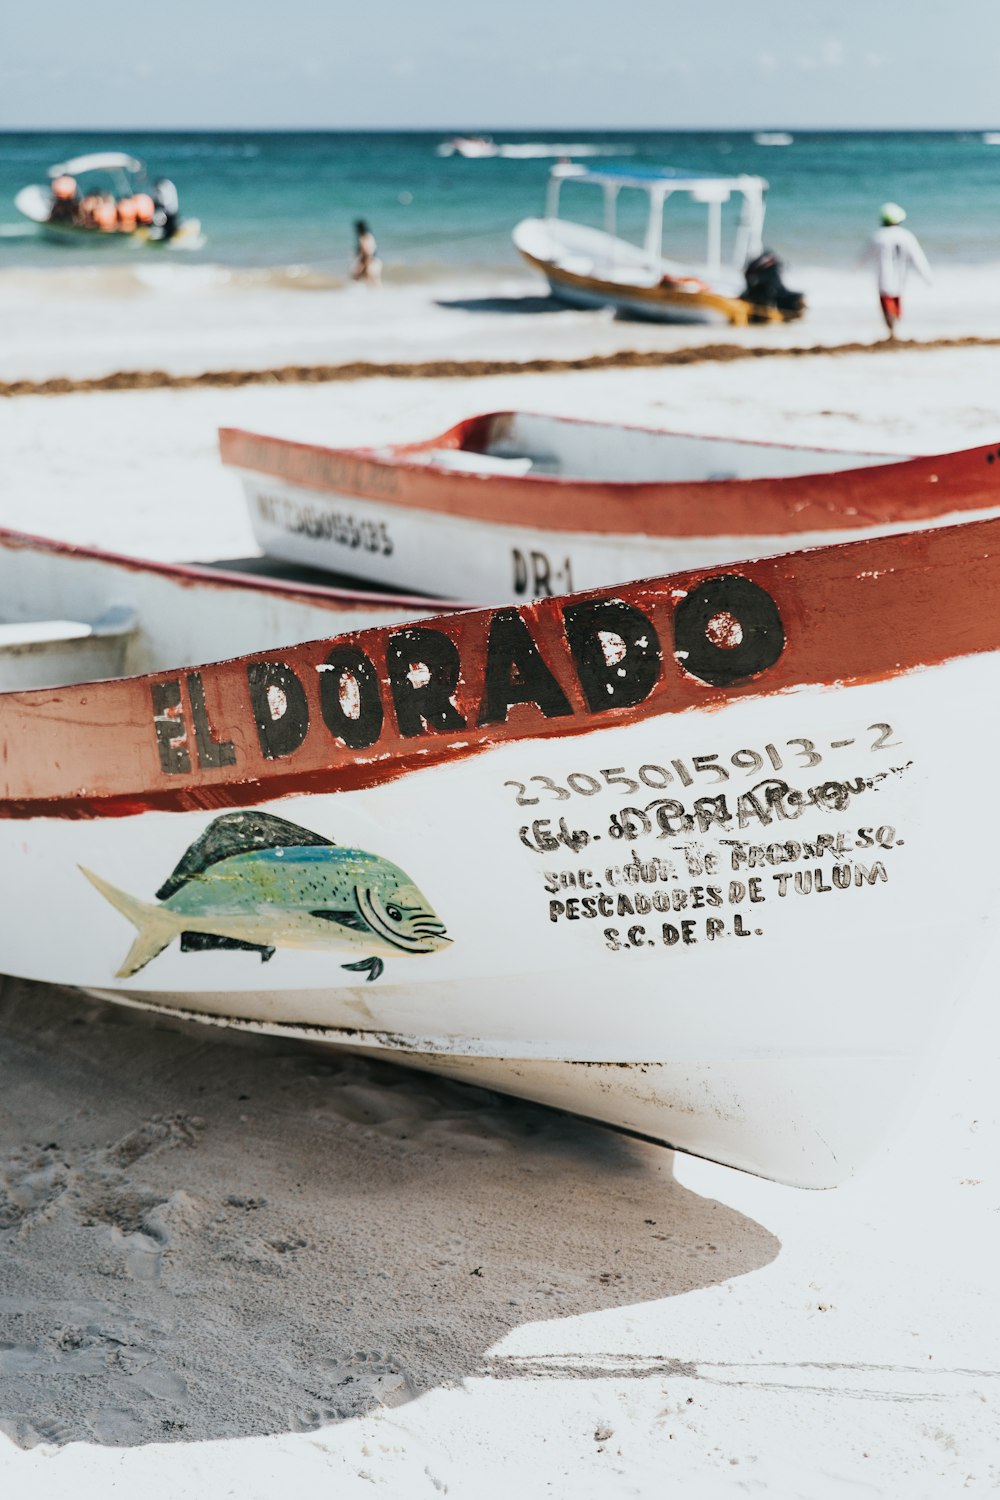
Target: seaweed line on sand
(466, 369)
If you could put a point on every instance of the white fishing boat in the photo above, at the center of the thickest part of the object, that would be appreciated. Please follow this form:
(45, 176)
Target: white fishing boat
(773, 138)
(387, 840)
(70, 614)
(588, 267)
(105, 198)
(518, 505)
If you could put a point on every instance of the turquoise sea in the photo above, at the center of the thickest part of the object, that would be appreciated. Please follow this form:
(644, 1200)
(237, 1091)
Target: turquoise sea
(274, 200)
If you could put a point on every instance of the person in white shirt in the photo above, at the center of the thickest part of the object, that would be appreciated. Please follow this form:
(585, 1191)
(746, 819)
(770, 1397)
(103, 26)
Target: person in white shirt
(893, 251)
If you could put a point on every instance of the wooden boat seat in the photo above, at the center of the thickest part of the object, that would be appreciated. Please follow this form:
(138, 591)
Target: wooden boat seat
(57, 652)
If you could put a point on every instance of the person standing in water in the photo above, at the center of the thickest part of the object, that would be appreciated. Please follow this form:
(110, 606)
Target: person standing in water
(367, 266)
(893, 251)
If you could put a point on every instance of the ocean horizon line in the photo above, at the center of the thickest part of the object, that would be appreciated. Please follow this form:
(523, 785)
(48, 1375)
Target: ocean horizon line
(487, 128)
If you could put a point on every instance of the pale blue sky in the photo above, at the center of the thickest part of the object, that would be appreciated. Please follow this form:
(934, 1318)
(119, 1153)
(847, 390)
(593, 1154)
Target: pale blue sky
(512, 63)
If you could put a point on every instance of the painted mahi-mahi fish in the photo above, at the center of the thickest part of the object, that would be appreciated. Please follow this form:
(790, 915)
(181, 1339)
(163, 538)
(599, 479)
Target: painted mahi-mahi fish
(258, 882)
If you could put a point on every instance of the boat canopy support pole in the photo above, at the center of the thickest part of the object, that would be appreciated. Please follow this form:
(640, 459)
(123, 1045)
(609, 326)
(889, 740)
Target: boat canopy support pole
(714, 257)
(750, 234)
(611, 190)
(552, 196)
(654, 227)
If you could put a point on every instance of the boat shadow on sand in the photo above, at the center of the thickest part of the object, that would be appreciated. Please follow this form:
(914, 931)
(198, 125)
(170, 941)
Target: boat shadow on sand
(531, 302)
(215, 1235)
(538, 302)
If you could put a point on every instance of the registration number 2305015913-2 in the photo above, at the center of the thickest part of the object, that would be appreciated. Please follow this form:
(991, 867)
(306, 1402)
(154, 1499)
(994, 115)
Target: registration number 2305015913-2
(800, 752)
(762, 848)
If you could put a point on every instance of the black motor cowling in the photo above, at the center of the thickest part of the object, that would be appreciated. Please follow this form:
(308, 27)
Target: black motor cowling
(765, 287)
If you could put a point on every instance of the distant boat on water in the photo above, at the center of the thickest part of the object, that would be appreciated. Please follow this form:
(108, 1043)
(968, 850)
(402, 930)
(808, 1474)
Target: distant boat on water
(773, 138)
(991, 137)
(477, 147)
(471, 146)
(103, 198)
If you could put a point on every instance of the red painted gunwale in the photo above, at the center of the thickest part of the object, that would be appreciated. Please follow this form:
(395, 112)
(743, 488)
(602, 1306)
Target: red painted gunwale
(909, 490)
(861, 612)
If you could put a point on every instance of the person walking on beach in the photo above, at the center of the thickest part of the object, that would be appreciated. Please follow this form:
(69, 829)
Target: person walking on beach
(367, 266)
(893, 251)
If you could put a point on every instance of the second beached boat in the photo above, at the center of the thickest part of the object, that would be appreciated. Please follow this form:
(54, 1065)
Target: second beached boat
(514, 505)
(709, 857)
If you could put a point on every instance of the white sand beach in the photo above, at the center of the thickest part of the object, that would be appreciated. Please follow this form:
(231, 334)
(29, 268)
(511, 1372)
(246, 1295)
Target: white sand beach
(184, 319)
(234, 1265)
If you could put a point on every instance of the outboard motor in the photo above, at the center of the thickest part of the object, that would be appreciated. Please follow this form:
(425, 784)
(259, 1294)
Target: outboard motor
(765, 288)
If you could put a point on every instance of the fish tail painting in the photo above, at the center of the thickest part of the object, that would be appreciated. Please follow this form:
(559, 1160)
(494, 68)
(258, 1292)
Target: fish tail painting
(156, 926)
(258, 882)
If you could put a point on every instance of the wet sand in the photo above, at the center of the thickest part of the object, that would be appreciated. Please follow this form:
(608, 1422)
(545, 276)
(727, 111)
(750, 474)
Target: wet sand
(65, 324)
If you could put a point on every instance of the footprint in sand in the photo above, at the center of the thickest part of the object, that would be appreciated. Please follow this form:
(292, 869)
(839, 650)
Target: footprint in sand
(143, 1254)
(28, 1185)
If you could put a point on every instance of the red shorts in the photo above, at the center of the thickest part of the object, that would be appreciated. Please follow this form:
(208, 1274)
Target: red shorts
(892, 308)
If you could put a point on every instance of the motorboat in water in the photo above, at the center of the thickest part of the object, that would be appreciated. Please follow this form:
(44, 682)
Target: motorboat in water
(105, 198)
(472, 146)
(386, 840)
(589, 267)
(515, 505)
(483, 146)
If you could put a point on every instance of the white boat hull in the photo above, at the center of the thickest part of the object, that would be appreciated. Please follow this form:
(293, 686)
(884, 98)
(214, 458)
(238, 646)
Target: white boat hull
(576, 294)
(728, 1027)
(121, 616)
(586, 267)
(516, 505)
(35, 203)
(708, 857)
(485, 560)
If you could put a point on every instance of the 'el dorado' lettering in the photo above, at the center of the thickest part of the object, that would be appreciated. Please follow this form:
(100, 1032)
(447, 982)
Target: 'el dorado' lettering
(481, 677)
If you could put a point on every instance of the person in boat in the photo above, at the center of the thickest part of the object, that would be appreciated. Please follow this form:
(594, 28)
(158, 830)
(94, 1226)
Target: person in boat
(367, 266)
(894, 252)
(166, 210)
(86, 215)
(64, 200)
(106, 214)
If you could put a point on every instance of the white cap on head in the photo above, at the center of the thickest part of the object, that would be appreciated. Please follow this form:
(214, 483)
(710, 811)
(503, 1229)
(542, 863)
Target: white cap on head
(892, 213)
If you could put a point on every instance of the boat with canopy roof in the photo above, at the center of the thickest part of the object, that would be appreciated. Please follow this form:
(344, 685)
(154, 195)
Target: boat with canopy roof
(589, 267)
(103, 197)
